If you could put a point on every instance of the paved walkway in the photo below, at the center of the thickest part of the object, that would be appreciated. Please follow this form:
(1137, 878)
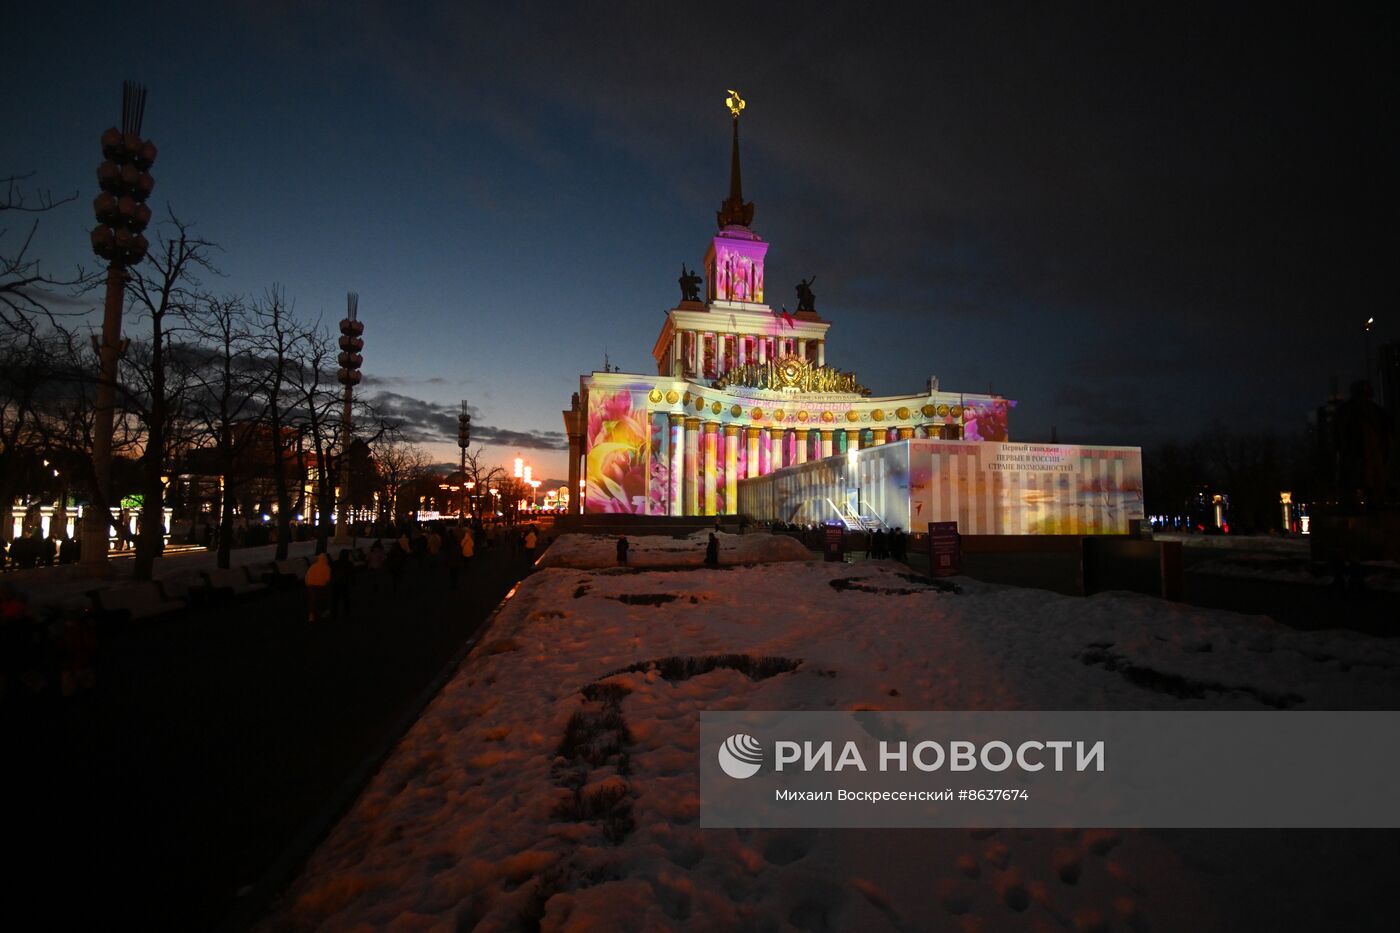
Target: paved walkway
(212, 738)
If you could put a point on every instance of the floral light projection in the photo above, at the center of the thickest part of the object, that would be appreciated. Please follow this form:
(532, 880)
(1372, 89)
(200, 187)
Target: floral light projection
(988, 422)
(618, 452)
(659, 490)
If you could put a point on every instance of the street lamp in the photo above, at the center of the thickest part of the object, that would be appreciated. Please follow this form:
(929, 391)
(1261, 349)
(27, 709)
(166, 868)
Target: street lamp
(495, 502)
(1370, 322)
(534, 487)
(464, 439)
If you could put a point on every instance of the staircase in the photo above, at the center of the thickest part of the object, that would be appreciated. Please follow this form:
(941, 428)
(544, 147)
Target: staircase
(855, 521)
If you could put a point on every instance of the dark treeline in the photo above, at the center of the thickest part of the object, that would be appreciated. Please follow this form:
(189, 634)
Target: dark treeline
(236, 390)
(1251, 467)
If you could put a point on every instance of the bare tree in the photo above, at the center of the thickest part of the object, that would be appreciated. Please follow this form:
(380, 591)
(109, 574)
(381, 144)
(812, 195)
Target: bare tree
(227, 401)
(26, 290)
(284, 345)
(400, 464)
(163, 291)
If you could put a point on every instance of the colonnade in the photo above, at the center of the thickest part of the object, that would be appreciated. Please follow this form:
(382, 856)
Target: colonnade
(690, 361)
(698, 445)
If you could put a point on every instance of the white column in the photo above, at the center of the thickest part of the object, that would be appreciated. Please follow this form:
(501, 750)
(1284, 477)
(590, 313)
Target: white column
(762, 350)
(802, 348)
(677, 366)
(776, 443)
(677, 496)
(692, 466)
(752, 464)
(821, 352)
(826, 443)
(801, 434)
(711, 442)
(731, 469)
(852, 439)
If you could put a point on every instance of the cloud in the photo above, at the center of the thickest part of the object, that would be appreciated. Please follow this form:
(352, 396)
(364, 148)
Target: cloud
(424, 421)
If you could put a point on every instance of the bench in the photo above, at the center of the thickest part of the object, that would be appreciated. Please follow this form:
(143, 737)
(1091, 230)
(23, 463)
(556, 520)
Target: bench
(294, 567)
(188, 585)
(143, 600)
(235, 581)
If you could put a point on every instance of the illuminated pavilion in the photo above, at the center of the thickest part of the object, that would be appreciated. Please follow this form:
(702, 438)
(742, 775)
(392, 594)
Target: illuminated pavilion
(742, 393)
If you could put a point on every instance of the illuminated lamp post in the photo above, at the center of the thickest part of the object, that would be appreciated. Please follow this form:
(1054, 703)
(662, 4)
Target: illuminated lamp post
(121, 216)
(534, 487)
(494, 501)
(1370, 322)
(350, 360)
(469, 495)
(464, 439)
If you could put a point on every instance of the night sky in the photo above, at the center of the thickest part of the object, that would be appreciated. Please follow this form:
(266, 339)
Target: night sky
(1134, 222)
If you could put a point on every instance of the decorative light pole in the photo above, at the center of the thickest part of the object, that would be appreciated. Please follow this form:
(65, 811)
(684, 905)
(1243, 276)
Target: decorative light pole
(121, 216)
(464, 440)
(350, 360)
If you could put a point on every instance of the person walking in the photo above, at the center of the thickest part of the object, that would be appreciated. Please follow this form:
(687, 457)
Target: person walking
(395, 561)
(712, 551)
(468, 550)
(374, 563)
(531, 539)
(622, 547)
(318, 580)
(342, 576)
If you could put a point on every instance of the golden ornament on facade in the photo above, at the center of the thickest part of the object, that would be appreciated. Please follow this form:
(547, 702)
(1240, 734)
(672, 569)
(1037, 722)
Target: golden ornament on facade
(735, 411)
(699, 403)
(929, 410)
(878, 414)
(654, 395)
(757, 414)
(853, 415)
(902, 414)
(778, 415)
(942, 411)
(957, 411)
(687, 398)
(716, 407)
(672, 397)
(828, 417)
(802, 416)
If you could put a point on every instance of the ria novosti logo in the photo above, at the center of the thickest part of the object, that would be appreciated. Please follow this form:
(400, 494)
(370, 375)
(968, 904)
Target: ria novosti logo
(741, 756)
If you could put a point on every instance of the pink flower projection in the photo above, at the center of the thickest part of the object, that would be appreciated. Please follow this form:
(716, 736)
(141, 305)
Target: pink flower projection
(987, 423)
(618, 453)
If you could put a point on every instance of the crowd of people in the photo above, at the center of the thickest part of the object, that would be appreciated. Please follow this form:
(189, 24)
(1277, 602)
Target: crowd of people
(443, 552)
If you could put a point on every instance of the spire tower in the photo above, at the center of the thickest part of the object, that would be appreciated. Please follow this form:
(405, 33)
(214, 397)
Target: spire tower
(734, 211)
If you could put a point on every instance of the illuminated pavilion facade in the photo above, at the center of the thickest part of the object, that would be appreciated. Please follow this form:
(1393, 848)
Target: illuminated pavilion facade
(740, 391)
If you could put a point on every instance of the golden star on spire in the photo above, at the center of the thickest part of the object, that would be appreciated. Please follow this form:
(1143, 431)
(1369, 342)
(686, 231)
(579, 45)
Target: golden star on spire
(735, 103)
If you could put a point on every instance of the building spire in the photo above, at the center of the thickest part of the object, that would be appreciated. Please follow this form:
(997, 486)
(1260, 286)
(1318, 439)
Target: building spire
(734, 211)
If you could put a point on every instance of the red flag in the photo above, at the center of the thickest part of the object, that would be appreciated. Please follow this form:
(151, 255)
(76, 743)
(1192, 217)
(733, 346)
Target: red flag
(788, 319)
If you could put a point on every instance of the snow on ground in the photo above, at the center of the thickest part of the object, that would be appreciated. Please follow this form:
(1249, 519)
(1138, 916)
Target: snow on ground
(554, 780)
(578, 550)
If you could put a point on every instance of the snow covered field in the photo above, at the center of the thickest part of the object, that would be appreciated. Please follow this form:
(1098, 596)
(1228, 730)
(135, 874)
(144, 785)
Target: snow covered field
(553, 783)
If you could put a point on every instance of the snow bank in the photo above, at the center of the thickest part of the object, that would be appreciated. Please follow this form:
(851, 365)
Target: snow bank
(582, 551)
(554, 780)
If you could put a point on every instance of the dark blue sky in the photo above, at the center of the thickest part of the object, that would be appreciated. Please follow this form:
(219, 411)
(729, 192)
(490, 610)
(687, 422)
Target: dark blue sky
(1131, 222)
